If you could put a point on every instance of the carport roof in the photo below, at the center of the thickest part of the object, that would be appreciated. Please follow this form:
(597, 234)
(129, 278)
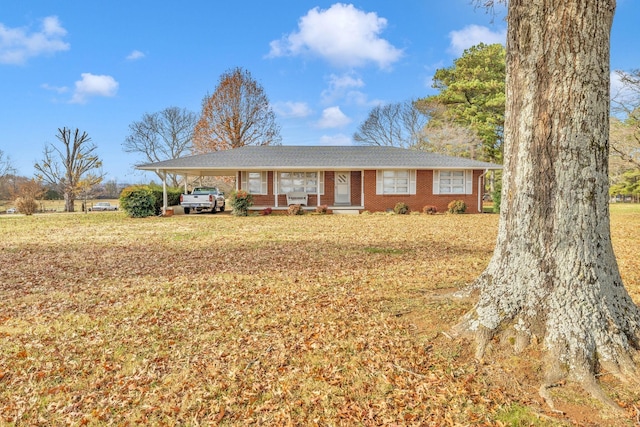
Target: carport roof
(288, 157)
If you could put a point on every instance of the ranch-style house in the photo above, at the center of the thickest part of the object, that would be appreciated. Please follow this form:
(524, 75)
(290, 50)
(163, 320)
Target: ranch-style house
(344, 178)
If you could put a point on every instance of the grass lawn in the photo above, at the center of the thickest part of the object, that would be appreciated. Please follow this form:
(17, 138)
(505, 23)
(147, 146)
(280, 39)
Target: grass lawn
(276, 320)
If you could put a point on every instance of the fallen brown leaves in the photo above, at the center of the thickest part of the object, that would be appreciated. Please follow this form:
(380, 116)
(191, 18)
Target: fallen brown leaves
(276, 320)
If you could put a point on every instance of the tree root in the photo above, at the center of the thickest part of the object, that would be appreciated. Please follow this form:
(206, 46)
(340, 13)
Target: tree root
(590, 385)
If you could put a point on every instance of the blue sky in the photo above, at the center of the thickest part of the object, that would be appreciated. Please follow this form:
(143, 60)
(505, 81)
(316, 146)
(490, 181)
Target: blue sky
(324, 65)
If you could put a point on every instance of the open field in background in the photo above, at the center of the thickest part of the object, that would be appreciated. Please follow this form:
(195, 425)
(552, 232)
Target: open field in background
(56, 205)
(276, 320)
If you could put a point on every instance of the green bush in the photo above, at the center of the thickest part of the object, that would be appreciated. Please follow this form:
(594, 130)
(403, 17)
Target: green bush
(138, 201)
(456, 207)
(401, 208)
(295, 210)
(173, 197)
(241, 201)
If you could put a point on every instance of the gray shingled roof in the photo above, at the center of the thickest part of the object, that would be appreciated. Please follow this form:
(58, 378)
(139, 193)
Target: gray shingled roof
(287, 157)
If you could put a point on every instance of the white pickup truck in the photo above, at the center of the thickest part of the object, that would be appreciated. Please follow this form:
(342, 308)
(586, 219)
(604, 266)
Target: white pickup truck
(203, 199)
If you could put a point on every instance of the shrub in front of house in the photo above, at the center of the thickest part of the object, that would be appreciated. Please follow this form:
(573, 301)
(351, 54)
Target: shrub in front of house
(240, 201)
(430, 210)
(322, 209)
(401, 208)
(138, 201)
(456, 207)
(266, 211)
(295, 210)
(173, 197)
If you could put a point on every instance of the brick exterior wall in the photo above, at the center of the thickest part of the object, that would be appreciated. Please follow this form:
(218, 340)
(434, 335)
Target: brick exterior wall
(374, 203)
(424, 194)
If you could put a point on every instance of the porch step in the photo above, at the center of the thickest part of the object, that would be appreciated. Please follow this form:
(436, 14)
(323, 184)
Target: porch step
(346, 211)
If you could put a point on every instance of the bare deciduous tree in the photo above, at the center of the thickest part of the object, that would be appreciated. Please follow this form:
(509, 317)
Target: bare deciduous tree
(625, 132)
(163, 135)
(6, 167)
(553, 277)
(70, 168)
(398, 124)
(237, 114)
(625, 143)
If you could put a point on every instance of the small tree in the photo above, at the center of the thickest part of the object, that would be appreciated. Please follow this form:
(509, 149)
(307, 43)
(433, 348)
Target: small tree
(71, 167)
(27, 195)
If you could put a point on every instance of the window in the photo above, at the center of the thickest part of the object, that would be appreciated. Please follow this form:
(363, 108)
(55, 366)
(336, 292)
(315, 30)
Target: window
(303, 182)
(255, 182)
(401, 181)
(452, 182)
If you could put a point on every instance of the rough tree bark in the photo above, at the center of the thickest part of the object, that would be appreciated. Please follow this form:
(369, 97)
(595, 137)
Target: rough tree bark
(553, 275)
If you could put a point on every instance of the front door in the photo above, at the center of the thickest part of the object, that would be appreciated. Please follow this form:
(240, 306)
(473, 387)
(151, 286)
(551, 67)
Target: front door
(343, 188)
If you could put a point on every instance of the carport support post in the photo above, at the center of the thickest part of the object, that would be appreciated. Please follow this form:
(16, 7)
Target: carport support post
(164, 193)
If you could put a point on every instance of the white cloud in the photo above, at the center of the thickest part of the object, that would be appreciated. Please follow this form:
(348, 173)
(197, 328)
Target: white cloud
(58, 89)
(93, 85)
(340, 87)
(292, 109)
(472, 35)
(339, 139)
(342, 35)
(17, 45)
(136, 54)
(333, 117)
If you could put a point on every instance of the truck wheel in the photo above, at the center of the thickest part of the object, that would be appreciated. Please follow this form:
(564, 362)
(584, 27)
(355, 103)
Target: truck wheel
(214, 209)
(186, 211)
(222, 208)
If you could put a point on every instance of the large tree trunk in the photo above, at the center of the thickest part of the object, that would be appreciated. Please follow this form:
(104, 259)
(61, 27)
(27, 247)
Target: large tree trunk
(553, 274)
(69, 201)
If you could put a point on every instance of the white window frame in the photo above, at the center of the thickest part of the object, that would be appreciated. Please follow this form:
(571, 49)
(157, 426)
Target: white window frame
(453, 182)
(300, 181)
(395, 181)
(255, 179)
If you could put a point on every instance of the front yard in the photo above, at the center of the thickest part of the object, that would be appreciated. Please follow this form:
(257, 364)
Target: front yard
(276, 320)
